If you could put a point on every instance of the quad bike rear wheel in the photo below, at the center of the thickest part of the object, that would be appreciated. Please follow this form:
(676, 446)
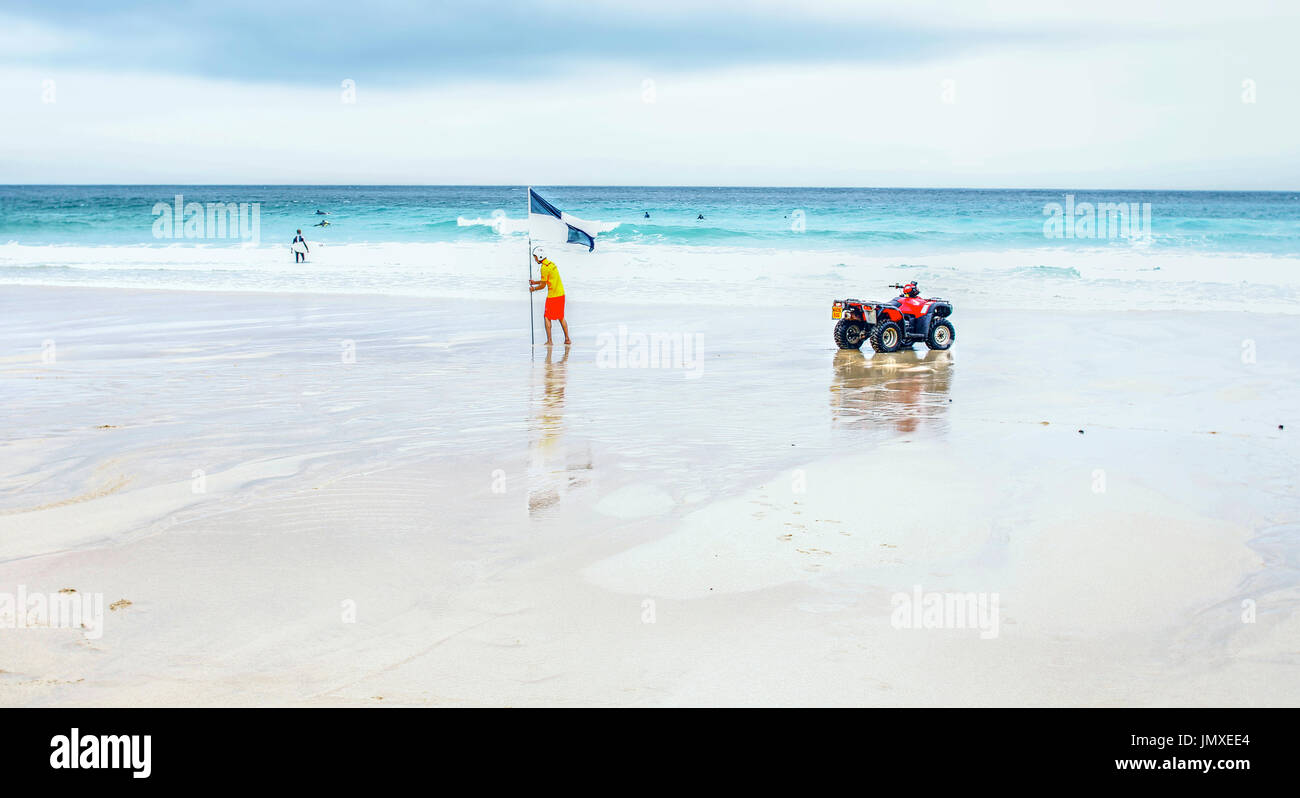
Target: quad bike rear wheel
(850, 334)
(886, 336)
(941, 335)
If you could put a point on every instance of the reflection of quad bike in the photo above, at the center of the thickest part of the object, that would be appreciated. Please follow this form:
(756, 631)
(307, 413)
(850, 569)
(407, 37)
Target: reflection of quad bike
(893, 325)
(908, 389)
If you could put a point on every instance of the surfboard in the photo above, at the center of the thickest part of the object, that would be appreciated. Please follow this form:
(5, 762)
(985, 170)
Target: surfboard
(298, 246)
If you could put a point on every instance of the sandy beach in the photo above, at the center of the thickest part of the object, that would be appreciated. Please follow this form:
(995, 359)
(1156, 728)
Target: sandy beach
(366, 500)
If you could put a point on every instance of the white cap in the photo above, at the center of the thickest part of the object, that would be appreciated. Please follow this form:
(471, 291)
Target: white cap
(538, 252)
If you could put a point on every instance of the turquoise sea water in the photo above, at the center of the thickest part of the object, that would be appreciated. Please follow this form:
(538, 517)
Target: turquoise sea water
(857, 220)
(761, 246)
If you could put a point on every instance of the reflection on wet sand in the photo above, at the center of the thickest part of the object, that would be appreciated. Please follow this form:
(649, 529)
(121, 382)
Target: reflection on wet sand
(553, 469)
(908, 389)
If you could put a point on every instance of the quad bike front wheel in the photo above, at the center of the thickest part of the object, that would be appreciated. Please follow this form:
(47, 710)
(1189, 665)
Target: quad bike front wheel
(886, 336)
(941, 335)
(850, 334)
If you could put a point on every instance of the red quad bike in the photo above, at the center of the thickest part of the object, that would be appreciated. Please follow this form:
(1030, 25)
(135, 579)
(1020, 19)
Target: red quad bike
(893, 325)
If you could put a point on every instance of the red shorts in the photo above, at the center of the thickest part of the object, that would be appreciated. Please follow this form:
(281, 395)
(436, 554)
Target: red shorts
(554, 307)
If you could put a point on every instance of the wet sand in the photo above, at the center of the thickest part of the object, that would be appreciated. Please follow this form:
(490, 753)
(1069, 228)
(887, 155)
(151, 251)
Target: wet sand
(321, 500)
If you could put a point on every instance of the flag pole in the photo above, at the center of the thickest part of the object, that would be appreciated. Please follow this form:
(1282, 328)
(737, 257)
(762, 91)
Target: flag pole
(532, 325)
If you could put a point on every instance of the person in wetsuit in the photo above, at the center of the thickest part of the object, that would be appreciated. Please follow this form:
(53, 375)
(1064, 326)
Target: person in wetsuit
(299, 255)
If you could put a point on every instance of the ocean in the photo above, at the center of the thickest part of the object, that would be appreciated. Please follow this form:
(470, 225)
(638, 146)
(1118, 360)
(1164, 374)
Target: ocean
(698, 245)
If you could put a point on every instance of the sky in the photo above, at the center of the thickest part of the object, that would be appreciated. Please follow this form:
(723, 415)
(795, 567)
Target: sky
(1000, 93)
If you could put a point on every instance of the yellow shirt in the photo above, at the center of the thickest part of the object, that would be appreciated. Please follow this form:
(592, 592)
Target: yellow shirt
(551, 276)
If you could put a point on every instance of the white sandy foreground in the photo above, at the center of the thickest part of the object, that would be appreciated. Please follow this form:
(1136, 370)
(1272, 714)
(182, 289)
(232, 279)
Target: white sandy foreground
(310, 500)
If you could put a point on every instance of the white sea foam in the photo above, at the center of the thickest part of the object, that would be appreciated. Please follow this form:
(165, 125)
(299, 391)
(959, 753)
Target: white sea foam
(623, 272)
(504, 225)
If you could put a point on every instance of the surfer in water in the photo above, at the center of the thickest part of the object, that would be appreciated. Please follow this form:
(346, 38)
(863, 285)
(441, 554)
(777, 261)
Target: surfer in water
(299, 248)
(550, 280)
(322, 223)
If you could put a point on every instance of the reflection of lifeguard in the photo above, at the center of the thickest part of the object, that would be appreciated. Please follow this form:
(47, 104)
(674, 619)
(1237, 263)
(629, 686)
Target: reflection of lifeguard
(552, 410)
(547, 480)
(904, 388)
